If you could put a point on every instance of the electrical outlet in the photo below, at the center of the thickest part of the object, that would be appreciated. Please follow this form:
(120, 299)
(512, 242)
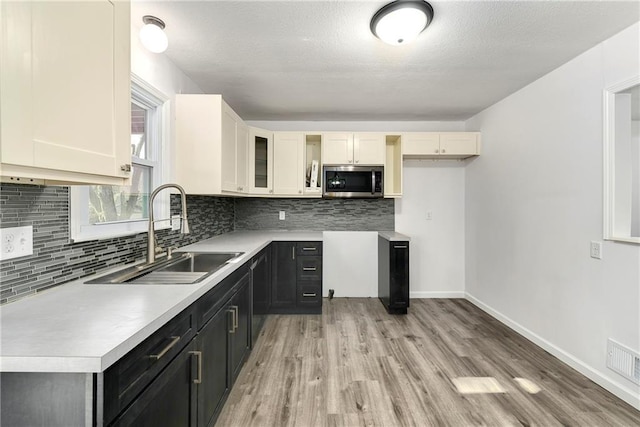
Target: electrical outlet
(16, 242)
(596, 249)
(281, 216)
(175, 222)
(429, 215)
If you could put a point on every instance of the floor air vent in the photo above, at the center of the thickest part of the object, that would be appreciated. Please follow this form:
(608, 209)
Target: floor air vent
(624, 361)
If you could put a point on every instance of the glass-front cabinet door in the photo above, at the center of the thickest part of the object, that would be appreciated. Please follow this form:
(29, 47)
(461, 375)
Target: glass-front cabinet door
(260, 161)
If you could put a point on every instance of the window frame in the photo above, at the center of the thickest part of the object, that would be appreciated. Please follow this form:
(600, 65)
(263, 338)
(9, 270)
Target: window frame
(158, 153)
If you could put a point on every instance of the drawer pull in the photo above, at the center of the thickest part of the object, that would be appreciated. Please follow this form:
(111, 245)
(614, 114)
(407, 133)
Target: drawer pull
(309, 249)
(231, 311)
(174, 341)
(400, 247)
(309, 268)
(198, 354)
(304, 294)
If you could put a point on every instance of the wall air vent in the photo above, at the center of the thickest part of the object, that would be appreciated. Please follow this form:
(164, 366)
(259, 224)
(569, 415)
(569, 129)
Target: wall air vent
(623, 360)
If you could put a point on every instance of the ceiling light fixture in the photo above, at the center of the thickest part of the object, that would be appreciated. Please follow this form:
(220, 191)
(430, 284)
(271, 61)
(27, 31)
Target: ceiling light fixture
(152, 35)
(402, 21)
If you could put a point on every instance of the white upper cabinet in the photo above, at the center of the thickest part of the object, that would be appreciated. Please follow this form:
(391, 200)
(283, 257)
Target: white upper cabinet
(65, 92)
(288, 152)
(337, 148)
(211, 152)
(369, 148)
(447, 145)
(260, 161)
(235, 140)
(353, 148)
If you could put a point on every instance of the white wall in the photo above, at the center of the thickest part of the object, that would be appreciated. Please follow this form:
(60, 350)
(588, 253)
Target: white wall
(533, 204)
(158, 71)
(437, 255)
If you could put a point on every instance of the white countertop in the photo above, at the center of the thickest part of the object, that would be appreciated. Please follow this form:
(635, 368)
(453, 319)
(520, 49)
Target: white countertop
(86, 328)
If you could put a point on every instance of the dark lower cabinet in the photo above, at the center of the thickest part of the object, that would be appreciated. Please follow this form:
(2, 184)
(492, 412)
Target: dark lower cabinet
(283, 285)
(213, 365)
(222, 347)
(296, 284)
(393, 275)
(261, 291)
(169, 400)
(240, 338)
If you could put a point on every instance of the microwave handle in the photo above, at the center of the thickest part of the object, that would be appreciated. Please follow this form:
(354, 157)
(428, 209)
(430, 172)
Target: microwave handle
(373, 182)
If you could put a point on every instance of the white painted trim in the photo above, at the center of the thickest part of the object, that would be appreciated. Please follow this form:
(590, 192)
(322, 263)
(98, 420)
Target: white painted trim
(437, 294)
(620, 390)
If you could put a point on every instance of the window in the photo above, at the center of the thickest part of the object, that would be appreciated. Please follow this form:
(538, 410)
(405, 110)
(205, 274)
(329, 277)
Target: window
(622, 161)
(104, 211)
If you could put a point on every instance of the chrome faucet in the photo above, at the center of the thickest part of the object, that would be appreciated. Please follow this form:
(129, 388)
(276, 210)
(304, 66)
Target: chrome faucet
(184, 227)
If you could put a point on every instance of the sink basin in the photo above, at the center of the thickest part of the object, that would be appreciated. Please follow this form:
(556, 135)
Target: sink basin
(183, 268)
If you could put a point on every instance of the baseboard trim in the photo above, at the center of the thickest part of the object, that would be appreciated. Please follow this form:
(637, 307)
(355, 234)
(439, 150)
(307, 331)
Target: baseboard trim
(619, 390)
(437, 294)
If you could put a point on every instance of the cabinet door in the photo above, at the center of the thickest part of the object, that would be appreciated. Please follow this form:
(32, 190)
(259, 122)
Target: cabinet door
(287, 163)
(228, 148)
(458, 143)
(261, 289)
(337, 148)
(260, 161)
(240, 339)
(242, 157)
(421, 144)
(283, 284)
(213, 343)
(399, 275)
(66, 86)
(369, 148)
(170, 398)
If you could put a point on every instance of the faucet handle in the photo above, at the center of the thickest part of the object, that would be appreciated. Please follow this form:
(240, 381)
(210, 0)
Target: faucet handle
(170, 250)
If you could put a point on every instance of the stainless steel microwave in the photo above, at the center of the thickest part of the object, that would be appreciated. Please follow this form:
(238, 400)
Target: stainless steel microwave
(353, 181)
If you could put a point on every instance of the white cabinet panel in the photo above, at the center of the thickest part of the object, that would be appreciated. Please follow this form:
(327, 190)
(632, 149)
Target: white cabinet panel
(337, 148)
(228, 149)
(458, 143)
(447, 145)
(287, 163)
(369, 148)
(242, 157)
(66, 89)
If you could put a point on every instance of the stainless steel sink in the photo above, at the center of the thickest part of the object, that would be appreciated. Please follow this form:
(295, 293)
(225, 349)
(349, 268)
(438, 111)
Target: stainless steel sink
(183, 268)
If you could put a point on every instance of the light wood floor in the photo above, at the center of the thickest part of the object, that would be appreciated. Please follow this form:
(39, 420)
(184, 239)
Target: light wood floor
(356, 365)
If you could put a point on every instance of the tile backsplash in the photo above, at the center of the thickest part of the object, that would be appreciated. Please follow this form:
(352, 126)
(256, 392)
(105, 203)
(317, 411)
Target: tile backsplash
(315, 214)
(55, 260)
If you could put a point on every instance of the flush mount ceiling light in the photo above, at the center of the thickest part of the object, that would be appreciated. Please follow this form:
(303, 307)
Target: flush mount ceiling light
(402, 21)
(152, 35)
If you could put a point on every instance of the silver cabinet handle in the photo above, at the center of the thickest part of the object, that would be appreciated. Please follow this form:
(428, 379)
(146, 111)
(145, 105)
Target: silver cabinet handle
(400, 247)
(309, 268)
(437, 151)
(309, 249)
(308, 295)
(293, 252)
(231, 311)
(270, 191)
(198, 354)
(235, 317)
(357, 161)
(174, 341)
(443, 151)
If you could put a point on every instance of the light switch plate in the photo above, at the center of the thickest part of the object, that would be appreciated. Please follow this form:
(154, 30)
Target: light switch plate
(281, 216)
(596, 249)
(16, 242)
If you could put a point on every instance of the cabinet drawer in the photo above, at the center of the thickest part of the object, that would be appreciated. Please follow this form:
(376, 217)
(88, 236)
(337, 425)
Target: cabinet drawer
(308, 248)
(124, 380)
(309, 268)
(309, 294)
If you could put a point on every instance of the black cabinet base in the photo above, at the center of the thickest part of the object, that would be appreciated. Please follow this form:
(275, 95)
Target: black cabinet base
(394, 310)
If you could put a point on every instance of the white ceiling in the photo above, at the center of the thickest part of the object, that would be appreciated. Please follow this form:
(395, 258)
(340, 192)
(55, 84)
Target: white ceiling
(317, 60)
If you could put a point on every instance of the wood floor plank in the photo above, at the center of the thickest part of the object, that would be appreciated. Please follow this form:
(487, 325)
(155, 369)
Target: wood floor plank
(355, 365)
